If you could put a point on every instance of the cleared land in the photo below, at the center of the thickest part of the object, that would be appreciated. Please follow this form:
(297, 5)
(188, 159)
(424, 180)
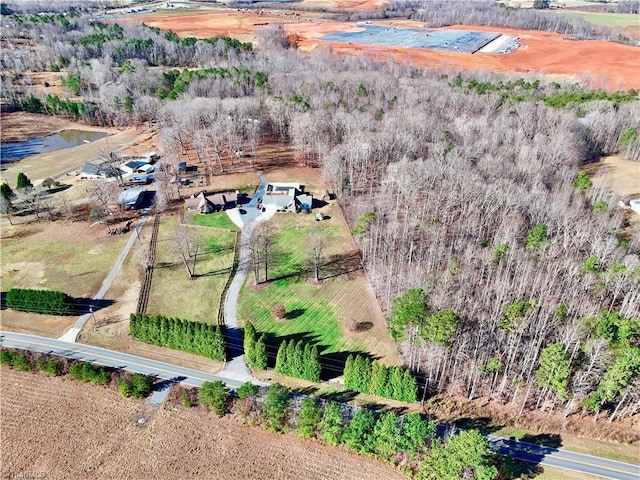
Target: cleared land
(172, 293)
(611, 65)
(97, 429)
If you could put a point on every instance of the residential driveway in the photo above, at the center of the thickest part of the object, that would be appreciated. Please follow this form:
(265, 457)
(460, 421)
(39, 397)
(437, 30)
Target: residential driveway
(237, 366)
(71, 334)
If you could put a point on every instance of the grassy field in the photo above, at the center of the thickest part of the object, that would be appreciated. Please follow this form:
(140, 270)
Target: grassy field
(71, 257)
(175, 295)
(320, 314)
(606, 19)
(215, 220)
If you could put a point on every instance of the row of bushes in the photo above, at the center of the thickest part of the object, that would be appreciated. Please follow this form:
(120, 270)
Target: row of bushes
(49, 302)
(408, 441)
(137, 385)
(194, 337)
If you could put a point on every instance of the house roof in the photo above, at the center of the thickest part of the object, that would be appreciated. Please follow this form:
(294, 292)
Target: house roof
(305, 199)
(216, 199)
(133, 164)
(99, 169)
(130, 196)
(231, 197)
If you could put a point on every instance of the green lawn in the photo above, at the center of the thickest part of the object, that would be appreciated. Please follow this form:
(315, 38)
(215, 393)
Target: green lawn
(311, 314)
(606, 19)
(215, 220)
(172, 292)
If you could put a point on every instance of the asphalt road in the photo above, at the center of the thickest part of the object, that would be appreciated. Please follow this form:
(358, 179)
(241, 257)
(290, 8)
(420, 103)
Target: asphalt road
(522, 451)
(111, 358)
(553, 457)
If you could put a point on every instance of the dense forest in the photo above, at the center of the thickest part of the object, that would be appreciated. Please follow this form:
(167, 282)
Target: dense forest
(503, 270)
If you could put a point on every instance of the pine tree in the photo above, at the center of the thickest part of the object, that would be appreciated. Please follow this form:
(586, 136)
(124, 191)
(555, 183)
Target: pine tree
(309, 418)
(415, 432)
(23, 181)
(260, 354)
(387, 435)
(275, 406)
(331, 424)
(358, 435)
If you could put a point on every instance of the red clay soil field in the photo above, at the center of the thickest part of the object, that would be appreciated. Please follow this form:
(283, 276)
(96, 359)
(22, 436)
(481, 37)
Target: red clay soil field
(601, 64)
(71, 430)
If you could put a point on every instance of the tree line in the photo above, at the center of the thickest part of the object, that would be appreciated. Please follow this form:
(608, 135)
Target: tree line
(407, 441)
(49, 302)
(199, 338)
(361, 374)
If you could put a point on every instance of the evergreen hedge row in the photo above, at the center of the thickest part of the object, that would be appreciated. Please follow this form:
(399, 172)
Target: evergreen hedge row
(365, 376)
(49, 302)
(194, 337)
(299, 360)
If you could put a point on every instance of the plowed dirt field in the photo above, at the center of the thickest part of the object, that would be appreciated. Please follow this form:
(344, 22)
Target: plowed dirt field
(69, 430)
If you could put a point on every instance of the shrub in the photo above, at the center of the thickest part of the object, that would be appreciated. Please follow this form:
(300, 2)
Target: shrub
(124, 387)
(141, 385)
(7, 357)
(279, 312)
(21, 363)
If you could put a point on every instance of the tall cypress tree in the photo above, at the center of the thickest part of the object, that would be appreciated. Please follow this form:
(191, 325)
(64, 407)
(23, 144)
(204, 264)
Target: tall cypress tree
(316, 367)
(349, 374)
(290, 356)
(260, 353)
(409, 387)
(249, 343)
(281, 358)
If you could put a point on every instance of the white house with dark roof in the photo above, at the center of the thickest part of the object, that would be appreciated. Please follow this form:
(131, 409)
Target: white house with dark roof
(288, 197)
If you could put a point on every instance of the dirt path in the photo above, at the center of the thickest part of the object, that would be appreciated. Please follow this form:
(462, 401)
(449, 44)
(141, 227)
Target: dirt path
(71, 334)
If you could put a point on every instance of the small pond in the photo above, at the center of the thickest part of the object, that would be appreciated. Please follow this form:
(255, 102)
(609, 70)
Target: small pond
(12, 152)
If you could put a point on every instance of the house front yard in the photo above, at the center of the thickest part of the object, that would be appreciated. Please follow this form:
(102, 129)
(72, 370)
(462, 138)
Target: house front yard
(325, 314)
(173, 293)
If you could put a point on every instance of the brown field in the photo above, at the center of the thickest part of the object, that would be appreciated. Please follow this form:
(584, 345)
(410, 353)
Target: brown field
(71, 430)
(601, 64)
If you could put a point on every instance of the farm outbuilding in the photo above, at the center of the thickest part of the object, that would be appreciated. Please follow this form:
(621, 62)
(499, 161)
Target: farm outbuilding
(133, 198)
(99, 170)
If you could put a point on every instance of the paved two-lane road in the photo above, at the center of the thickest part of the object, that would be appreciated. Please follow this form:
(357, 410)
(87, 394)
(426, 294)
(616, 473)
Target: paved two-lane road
(111, 358)
(521, 451)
